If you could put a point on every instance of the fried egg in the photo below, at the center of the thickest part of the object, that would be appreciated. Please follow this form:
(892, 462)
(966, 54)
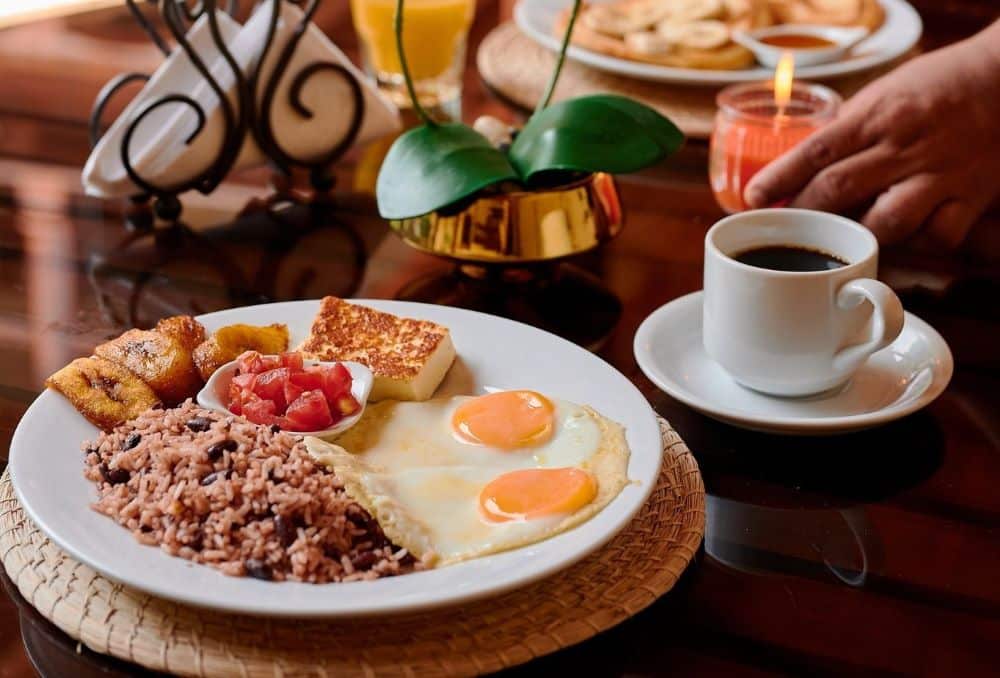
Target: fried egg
(457, 478)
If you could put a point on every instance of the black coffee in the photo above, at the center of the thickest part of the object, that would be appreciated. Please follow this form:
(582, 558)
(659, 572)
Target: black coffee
(789, 258)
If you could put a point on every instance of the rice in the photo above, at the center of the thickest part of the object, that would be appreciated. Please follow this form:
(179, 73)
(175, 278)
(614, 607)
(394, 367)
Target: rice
(246, 499)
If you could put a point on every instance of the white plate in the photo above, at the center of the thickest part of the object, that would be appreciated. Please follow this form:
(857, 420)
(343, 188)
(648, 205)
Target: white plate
(896, 381)
(897, 35)
(46, 466)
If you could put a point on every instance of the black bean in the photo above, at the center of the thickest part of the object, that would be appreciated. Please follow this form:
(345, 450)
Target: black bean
(363, 561)
(362, 542)
(115, 476)
(275, 428)
(132, 440)
(145, 529)
(199, 424)
(90, 450)
(258, 569)
(357, 516)
(196, 539)
(215, 451)
(286, 533)
(408, 559)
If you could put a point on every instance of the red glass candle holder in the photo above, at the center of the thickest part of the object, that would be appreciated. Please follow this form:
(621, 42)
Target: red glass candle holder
(750, 131)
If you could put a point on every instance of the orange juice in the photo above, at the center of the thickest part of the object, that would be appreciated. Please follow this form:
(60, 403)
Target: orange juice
(434, 34)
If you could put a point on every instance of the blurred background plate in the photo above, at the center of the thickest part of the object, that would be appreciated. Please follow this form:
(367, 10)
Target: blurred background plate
(898, 34)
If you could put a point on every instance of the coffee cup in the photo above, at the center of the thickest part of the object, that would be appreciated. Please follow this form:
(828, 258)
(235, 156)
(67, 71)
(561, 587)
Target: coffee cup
(791, 305)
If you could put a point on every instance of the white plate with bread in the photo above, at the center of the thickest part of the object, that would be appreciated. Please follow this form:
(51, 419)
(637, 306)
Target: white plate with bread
(414, 362)
(657, 52)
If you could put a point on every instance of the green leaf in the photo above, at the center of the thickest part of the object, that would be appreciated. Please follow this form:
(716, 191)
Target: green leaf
(598, 133)
(429, 167)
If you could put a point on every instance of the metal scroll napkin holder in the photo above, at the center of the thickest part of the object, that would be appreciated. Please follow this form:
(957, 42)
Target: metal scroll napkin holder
(240, 116)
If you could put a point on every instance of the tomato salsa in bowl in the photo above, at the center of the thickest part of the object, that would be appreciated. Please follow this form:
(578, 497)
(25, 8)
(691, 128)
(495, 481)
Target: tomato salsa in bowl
(311, 397)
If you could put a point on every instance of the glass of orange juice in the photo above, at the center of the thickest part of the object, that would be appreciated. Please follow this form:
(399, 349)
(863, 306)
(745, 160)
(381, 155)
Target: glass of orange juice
(434, 37)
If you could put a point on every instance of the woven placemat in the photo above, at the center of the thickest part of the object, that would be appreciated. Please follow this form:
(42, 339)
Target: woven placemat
(633, 570)
(518, 68)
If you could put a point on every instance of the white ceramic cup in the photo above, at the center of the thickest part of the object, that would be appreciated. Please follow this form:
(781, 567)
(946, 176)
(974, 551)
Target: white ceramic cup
(791, 333)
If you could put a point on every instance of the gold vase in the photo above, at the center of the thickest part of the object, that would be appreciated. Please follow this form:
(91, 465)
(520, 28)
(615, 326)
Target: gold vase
(521, 227)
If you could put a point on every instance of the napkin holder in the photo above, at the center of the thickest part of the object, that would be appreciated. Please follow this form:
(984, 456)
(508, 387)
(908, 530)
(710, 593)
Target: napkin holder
(247, 88)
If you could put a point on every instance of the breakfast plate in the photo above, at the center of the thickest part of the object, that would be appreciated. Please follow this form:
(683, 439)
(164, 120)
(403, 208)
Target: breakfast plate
(46, 468)
(898, 33)
(896, 381)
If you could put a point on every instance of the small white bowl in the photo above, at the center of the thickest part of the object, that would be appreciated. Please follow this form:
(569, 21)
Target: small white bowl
(213, 395)
(768, 55)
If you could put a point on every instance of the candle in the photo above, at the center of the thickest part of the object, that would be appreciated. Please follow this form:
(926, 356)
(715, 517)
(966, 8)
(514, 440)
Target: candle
(757, 122)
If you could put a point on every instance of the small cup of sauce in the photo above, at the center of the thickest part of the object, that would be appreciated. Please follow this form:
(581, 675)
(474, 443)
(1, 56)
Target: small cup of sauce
(811, 45)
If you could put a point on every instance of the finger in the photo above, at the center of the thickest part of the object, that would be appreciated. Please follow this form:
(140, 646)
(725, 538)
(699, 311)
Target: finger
(851, 182)
(950, 223)
(787, 175)
(900, 211)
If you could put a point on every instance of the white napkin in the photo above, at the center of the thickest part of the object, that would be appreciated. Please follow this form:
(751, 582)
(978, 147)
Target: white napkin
(158, 151)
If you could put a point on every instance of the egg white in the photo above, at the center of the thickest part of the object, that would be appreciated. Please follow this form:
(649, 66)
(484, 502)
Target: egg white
(403, 463)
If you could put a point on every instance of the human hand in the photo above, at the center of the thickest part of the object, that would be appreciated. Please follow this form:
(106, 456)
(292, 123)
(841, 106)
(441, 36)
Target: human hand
(918, 150)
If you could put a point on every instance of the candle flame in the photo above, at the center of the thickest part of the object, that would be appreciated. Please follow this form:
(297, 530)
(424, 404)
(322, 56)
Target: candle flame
(784, 74)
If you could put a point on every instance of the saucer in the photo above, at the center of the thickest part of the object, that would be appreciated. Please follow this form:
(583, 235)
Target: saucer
(894, 382)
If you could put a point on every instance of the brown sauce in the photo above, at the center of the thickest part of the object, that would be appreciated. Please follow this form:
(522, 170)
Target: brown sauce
(797, 41)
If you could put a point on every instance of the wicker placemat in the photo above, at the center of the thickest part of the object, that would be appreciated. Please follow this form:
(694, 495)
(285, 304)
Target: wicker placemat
(518, 69)
(639, 565)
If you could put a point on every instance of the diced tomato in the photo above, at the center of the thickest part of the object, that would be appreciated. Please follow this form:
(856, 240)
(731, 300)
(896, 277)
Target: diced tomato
(270, 362)
(270, 385)
(244, 381)
(234, 399)
(308, 381)
(292, 391)
(292, 361)
(259, 411)
(252, 362)
(282, 390)
(309, 412)
(336, 382)
(249, 362)
(244, 398)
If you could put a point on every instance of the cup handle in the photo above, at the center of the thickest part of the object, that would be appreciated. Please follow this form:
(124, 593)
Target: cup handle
(887, 319)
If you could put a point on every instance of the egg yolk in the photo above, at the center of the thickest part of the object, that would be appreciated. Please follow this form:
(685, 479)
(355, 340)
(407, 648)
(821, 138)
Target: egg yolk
(506, 419)
(536, 492)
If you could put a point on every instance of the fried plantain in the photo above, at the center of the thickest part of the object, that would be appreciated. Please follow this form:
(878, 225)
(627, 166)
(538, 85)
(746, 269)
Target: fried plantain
(105, 393)
(159, 360)
(227, 343)
(186, 330)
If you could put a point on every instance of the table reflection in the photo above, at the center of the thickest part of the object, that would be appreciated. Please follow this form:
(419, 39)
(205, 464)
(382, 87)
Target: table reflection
(268, 253)
(807, 507)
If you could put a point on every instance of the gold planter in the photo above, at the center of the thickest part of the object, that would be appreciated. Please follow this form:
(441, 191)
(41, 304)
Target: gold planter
(522, 227)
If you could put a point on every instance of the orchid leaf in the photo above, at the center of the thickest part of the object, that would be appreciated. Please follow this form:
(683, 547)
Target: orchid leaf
(598, 133)
(429, 167)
